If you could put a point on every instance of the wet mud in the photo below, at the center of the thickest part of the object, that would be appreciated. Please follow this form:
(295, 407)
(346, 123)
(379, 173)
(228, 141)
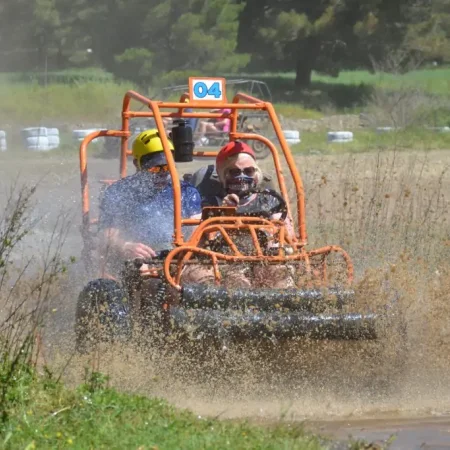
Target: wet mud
(362, 389)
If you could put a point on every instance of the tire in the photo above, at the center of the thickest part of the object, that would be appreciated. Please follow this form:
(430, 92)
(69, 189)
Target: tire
(37, 141)
(261, 150)
(53, 141)
(292, 135)
(52, 132)
(102, 315)
(34, 132)
(340, 136)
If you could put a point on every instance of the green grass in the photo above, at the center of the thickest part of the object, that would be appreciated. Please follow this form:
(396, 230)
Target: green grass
(296, 111)
(32, 104)
(432, 81)
(91, 96)
(435, 81)
(45, 415)
(369, 140)
(352, 90)
(92, 74)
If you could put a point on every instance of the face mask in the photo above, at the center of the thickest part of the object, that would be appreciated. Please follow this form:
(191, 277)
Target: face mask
(239, 184)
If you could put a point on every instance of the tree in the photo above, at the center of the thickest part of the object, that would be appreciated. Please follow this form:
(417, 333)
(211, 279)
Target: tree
(429, 30)
(190, 37)
(322, 35)
(154, 41)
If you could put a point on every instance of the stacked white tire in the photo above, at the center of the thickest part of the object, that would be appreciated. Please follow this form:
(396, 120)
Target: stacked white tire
(3, 146)
(381, 130)
(35, 139)
(53, 138)
(292, 136)
(340, 136)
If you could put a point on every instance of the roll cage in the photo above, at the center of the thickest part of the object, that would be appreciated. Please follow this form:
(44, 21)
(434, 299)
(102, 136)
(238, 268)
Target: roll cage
(185, 249)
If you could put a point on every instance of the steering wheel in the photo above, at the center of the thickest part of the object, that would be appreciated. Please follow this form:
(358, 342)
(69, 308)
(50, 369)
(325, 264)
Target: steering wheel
(280, 208)
(160, 256)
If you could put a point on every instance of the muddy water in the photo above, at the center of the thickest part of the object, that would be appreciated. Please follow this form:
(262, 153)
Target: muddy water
(328, 387)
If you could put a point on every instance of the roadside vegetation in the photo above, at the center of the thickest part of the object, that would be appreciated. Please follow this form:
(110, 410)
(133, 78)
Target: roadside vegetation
(45, 414)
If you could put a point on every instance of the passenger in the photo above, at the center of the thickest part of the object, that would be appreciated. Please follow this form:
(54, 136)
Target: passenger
(213, 126)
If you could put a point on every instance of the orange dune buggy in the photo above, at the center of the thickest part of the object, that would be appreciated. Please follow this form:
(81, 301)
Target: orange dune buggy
(316, 308)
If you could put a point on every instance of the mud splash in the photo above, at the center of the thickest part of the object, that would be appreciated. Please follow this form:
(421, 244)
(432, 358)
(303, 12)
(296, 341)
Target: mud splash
(309, 381)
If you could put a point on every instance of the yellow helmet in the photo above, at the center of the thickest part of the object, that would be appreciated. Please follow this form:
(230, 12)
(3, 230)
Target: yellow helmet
(146, 143)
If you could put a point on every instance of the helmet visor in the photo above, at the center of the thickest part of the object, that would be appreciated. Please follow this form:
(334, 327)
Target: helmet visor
(153, 160)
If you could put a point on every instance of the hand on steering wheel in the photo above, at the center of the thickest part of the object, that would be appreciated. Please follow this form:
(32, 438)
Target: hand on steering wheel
(231, 200)
(280, 208)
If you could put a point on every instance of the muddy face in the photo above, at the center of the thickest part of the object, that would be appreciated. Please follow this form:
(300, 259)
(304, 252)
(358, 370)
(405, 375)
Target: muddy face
(240, 174)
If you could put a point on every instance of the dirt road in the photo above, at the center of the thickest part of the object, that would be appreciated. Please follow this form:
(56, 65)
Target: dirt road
(417, 415)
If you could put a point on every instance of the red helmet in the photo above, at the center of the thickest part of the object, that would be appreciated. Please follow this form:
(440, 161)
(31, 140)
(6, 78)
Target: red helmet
(233, 148)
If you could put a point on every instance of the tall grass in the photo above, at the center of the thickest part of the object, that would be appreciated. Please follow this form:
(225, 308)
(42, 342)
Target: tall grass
(25, 294)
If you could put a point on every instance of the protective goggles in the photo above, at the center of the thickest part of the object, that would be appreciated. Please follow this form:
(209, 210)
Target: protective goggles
(248, 171)
(159, 169)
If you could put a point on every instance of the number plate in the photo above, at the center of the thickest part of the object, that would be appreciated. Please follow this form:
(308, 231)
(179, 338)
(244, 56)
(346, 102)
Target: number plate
(211, 90)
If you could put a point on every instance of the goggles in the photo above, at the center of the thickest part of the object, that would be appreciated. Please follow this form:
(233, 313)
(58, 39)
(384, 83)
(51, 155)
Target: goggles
(159, 169)
(247, 171)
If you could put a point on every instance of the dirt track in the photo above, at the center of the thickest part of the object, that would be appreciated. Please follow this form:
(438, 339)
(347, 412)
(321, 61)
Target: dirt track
(59, 190)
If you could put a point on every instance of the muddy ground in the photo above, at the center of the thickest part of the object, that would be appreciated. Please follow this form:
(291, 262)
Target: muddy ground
(417, 410)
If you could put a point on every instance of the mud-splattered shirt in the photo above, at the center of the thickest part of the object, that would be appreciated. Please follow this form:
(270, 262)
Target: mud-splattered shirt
(144, 213)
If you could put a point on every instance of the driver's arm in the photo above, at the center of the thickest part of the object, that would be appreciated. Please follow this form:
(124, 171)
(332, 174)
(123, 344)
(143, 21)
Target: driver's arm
(113, 244)
(111, 224)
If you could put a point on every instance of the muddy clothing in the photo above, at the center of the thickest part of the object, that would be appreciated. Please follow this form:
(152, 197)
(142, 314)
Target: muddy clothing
(144, 213)
(212, 192)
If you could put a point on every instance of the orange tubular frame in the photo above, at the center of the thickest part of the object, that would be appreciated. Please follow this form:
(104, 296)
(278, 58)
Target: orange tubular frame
(185, 250)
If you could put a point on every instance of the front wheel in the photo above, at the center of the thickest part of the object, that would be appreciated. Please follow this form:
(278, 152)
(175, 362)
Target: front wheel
(102, 314)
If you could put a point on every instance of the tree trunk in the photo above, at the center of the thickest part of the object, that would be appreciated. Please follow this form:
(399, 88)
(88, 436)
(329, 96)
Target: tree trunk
(303, 74)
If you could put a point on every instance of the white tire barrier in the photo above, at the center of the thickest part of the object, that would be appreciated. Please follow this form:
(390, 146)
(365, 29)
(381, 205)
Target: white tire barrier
(40, 138)
(340, 136)
(381, 130)
(53, 141)
(440, 129)
(292, 136)
(79, 135)
(34, 132)
(37, 143)
(3, 146)
(52, 132)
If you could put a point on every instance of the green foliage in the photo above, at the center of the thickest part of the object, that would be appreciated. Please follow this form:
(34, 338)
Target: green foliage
(193, 37)
(429, 31)
(165, 41)
(135, 64)
(50, 416)
(330, 36)
(77, 103)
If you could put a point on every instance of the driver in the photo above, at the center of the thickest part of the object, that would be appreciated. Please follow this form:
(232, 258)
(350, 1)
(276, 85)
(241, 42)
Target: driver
(136, 212)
